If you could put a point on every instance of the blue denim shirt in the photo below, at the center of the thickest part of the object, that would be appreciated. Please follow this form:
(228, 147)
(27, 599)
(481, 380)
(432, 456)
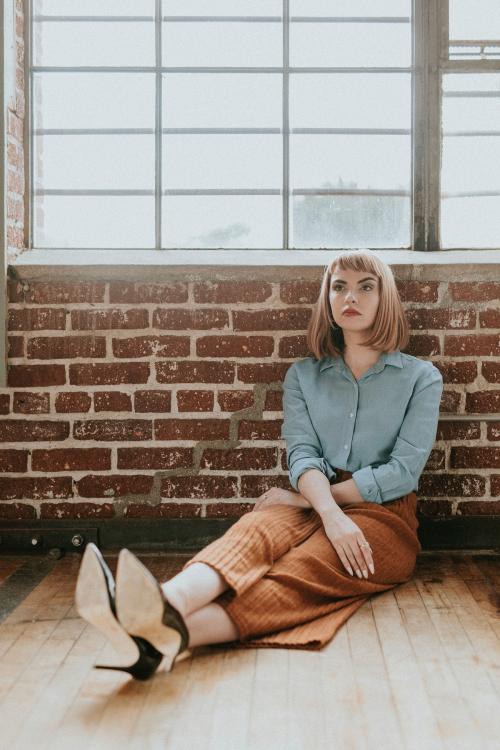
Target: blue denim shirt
(381, 428)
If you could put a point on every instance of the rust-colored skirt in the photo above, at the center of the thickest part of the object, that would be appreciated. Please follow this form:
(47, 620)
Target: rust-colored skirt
(287, 585)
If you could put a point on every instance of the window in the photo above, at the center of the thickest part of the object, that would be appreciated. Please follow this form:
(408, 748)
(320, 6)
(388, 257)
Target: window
(269, 124)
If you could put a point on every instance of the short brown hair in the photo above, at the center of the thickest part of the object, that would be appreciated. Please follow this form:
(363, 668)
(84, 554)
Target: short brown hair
(390, 329)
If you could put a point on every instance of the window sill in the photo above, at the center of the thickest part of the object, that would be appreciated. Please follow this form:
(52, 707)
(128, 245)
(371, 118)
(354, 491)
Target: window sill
(78, 264)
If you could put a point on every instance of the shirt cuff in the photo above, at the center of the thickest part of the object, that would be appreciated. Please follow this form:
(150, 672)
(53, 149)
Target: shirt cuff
(302, 464)
(366, 484)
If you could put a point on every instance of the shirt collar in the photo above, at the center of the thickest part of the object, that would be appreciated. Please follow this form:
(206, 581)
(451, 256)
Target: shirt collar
(386, 358)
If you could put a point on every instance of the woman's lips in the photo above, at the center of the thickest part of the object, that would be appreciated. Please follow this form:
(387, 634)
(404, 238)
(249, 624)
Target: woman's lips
(352, 313)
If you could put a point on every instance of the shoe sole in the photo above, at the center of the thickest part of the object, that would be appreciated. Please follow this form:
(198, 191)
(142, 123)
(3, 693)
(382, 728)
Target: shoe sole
(140, 605)
(92, 603)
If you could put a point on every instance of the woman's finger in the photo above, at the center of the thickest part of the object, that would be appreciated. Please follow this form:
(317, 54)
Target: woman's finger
(359, 562)
(344, 559)
(367, 553)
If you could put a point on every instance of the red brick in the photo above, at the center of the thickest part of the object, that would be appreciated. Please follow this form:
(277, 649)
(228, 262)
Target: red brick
(475, 345)
(470, 291)
(31, 403)
(76, 510)
(53, 293)
(146, 346)
(418, 291)
(12, 460)
(112, 401)
(425, 319)
(263, 373)
(112, 429)
(66, 347)
(181, 320)
(293, 346)
(19, 430)
(71, 459)
(16, 511)
(195, 372)
(163, 510)
(135, 292)
(195, 400)
(235, 400)
(93, 320)
(15, 290)
(155, 458)
(73, 401)
(36, 376)
(491, 371)
(239, 458)
(255, 486)
(271, 320)
(152, 401)
(493, 430)
(37, 319)
(457, 372)
(191, 429)
(483, 402)
(35, 488)
(297, 292)
(467, 457)
(458, 430)
(97, 485)
(479, 508)
(4, 403)
(434, 508)
(235, 346)
(436, 460)
(108, 373)
(489, 318)
(228, 510)
(423, 346)
(199, 487)
(274, 401)
(269, 429)
(15, 346)
(452, 485)
(450, 402)
(226, 292)
(495, 484)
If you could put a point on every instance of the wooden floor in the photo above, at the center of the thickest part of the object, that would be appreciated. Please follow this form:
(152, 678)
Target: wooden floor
(415, 667)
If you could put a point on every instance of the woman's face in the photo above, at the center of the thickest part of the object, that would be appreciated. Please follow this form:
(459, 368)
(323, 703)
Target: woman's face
(357, 290)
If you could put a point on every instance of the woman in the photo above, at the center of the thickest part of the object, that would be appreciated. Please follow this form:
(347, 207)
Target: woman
(360, 420)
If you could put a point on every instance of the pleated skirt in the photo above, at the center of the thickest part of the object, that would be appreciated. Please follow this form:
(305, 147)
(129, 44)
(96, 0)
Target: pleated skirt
(287, 585)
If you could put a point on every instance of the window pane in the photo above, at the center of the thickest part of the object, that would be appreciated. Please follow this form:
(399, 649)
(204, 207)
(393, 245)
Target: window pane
(222, 221)
(350, 44)
(226, 100)
(222, 161)
(350, 100)
(336, 221)
(350, 8)
(222, 7)
(354, 161)
(72, 43)
(95, 7)
(94, 162)
(474, 19)
(94, 100)
(222, 44)
(470, 182)
(94, 221)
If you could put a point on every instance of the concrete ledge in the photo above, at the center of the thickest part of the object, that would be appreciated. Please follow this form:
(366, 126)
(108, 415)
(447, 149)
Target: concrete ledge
(144, 265)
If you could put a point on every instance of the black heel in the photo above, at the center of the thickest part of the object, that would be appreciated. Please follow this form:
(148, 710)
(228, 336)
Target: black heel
(95, 602)
(146, 665)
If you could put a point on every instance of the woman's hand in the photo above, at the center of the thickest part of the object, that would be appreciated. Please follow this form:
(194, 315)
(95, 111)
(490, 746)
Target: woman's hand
(277, 496)
(346, 537)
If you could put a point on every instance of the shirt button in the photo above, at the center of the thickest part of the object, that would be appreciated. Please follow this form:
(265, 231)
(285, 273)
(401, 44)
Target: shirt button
(351, 414)
(346, 447)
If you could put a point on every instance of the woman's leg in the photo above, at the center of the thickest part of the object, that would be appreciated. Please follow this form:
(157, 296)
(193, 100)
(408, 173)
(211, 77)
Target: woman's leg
(193, 587)
(210, 624)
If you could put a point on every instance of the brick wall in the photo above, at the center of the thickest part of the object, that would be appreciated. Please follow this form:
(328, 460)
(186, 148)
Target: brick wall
(163, 400)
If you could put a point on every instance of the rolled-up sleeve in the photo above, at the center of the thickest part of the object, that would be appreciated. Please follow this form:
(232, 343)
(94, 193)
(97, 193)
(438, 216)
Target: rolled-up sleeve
(399, 476)
(303, 447)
